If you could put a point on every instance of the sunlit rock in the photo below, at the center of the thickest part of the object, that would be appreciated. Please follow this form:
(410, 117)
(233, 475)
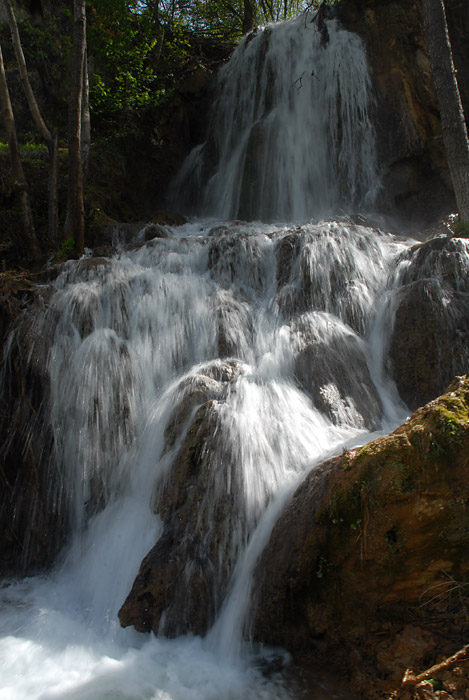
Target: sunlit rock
(371, 540)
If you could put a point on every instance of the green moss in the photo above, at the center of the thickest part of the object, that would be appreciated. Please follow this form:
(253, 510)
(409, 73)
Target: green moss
(461, 230)
(66, 250)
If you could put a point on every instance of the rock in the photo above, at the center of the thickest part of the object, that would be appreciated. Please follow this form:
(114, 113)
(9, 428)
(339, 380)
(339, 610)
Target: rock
(235, 325)
(26, 440)
(196, 390)
(416, 185)
(330, 365)
(430, 337)
(183, 579)
(373, 541)
(163, 217)
(409, 648)
(116, 233)
(155, 231)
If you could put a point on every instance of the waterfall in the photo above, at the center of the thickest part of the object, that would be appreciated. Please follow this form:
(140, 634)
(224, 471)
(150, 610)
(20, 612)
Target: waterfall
(290, 135)
(194, 379)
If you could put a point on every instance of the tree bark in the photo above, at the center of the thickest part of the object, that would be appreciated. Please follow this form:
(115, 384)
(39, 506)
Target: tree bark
(85, 118)
(53, 207)
(453, 123)
(248, 16)
(49, 138)
(75, 224)
(19, 181)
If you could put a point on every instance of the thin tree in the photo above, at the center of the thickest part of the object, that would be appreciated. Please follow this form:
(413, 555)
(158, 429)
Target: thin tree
(49, 137)
(453, 124)
(19, 181)
(75, 223)
(249, 16)
(85, 118)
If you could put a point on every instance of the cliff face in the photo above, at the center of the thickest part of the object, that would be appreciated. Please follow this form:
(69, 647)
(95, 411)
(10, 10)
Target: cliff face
(416, 185)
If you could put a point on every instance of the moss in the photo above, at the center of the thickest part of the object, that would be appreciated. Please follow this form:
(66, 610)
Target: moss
(461, 230)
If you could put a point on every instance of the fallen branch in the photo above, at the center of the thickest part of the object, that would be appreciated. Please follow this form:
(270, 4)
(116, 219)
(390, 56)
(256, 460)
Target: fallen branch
(410, 680)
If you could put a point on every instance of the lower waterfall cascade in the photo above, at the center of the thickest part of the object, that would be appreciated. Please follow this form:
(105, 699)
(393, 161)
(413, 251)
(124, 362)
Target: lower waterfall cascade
(267, 341)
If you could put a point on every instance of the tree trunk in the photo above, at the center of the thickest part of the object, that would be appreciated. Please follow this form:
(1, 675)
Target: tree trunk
(53, 207)
(19, 181)
(75, 225)
(49, 138)
(248, 16)
(453, 124)
(85, 118)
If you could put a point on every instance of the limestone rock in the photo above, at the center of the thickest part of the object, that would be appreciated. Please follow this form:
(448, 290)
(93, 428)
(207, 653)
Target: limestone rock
(430, 339)
(183, 579)
(330, 364)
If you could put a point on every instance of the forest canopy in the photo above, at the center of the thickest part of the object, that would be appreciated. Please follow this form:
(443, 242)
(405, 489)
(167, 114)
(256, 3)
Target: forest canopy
(137, 49)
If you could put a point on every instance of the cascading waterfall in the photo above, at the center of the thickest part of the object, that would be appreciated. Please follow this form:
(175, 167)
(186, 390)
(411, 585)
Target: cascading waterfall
(253, 347)
(290, 135)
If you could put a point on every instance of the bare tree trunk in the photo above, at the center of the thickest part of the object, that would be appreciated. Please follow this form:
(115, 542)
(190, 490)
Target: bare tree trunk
(248, 16)
(75, 225)
(85, 118)
(53, 207)
(49, 138)
(453, 124)
(19, 181)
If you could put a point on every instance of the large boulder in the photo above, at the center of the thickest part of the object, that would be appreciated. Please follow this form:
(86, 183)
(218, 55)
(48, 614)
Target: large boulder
(183, 579)
(430, 336)
(374, 541)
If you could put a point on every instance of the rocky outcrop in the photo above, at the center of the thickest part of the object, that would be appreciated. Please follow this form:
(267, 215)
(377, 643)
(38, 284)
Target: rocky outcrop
(330, 365)
(416, 181)
(183, 579)
(26, 441)
(430, 338)
(366, 566)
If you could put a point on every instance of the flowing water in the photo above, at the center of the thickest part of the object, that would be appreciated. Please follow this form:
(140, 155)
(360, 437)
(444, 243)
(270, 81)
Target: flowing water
(273, 331)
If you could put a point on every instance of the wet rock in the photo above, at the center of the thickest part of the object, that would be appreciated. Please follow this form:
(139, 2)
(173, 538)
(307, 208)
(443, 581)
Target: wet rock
(155, 231)
(236, 259)
(116, 233)
(235, 326)
(163, 217)
(430, 339)
(416, 185)
(327, 267)
(183, 579)
(372, 542)
(196, 390)
(26, 440)
(330, 364)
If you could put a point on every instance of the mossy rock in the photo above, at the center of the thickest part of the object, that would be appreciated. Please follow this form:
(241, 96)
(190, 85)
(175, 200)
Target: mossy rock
(374, 538)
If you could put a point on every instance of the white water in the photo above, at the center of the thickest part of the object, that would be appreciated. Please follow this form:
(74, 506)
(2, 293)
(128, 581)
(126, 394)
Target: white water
(300, 142)
(132, 340)
(152, 318)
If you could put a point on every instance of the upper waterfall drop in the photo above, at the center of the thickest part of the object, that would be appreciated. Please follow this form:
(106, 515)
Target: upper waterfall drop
(290, 135)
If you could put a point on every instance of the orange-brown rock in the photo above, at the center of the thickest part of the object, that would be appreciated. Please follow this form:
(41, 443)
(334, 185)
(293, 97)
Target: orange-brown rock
(416, 181)
(366, 568)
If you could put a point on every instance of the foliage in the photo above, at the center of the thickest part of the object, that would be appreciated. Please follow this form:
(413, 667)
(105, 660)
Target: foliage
(461, 230)
(47, 49)
(66, 250)
(121, 46)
